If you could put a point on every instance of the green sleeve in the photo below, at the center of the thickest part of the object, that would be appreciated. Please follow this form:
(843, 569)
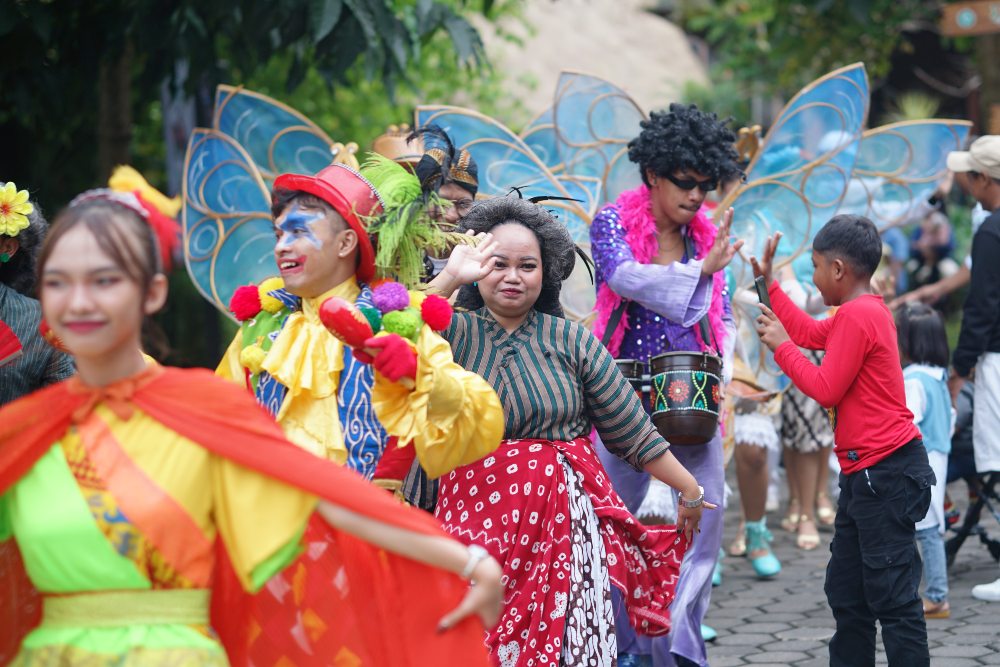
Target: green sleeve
(278, 561)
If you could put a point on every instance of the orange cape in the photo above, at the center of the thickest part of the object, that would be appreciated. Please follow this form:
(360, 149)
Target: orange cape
(388, 611)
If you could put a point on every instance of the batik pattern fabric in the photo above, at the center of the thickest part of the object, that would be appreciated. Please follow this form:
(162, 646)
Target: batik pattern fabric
(533, 503)
(666, 320)
(40, 364)
(304, 411)
(806, 425)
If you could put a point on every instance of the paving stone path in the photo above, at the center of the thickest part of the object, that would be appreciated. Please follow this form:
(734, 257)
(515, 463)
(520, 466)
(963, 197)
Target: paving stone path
(786, 621)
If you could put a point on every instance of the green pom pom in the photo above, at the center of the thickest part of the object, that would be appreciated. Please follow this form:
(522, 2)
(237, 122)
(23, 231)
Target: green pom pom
(404, 322)
(373, 316)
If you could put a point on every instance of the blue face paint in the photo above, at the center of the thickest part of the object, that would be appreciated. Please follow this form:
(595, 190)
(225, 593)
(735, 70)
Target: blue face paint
(298, 224)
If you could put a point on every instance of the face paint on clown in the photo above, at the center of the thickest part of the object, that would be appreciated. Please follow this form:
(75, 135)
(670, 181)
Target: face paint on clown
(315, 249)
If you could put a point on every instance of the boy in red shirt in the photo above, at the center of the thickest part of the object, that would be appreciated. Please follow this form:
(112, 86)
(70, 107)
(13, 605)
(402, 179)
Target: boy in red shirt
(874, 570)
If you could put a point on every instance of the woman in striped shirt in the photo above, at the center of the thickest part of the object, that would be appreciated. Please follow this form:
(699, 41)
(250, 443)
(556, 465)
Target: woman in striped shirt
(542, 503)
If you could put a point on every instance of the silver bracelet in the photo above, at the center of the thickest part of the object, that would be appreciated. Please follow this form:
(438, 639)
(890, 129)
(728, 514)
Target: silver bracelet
(697, 502)
(476, 554)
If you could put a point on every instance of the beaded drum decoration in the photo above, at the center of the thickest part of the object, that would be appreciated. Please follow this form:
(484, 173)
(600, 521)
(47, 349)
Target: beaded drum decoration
(686, 394)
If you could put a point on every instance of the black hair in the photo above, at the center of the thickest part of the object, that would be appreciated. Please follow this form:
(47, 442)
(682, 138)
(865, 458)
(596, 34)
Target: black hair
(685, 139)
(282, 199)
(921, 335)
(121, 233)
(556, 245)
(853, 239)
(19, 273)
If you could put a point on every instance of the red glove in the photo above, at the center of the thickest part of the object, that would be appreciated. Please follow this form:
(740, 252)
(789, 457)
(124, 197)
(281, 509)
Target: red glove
(362, 356)
(394, 358)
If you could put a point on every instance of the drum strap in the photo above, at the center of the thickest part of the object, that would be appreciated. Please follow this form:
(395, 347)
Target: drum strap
(704, 328)
(616, 317)
(703, 325)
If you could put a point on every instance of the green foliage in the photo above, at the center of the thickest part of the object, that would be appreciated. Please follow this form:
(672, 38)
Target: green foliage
(781, 45)
(360, 109)
(724, 97)
(55, 52)
(337, 61)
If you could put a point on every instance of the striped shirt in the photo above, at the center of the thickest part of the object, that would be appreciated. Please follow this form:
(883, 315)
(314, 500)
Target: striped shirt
(555, 381)
(40, 364)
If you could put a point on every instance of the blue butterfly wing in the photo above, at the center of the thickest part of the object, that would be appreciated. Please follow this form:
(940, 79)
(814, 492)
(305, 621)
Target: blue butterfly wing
(277, 138)
(795, 183)
(228, 234)
(594, 121)
(505, 161)
(540, 136)
(899, 166)
(798, 180)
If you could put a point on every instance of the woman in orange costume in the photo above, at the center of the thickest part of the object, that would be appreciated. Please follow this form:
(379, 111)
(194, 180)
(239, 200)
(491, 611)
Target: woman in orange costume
(140, 496)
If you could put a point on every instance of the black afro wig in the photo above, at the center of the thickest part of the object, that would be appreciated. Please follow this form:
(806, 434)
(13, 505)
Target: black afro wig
(685, 139)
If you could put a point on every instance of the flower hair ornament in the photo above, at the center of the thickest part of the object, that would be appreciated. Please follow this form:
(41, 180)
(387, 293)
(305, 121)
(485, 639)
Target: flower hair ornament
(14, 210)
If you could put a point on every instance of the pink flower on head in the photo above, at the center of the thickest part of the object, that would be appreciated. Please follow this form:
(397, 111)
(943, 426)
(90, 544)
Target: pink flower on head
(390, 296)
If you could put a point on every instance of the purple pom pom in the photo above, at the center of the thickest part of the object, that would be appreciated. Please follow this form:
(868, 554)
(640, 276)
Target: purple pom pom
(390, 296)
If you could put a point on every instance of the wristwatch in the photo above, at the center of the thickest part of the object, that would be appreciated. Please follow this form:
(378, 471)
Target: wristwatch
(476, 554)
(697, 502)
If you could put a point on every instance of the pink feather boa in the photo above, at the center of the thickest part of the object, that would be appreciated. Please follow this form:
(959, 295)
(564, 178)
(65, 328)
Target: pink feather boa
(636, 213)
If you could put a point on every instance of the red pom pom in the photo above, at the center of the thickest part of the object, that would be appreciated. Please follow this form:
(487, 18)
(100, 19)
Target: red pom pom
(436, 312)
(245, 302)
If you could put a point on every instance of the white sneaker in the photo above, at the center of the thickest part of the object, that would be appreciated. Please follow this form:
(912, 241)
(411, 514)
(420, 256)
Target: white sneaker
(988, 592)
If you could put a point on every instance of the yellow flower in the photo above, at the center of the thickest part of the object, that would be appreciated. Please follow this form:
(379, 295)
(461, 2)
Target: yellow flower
(14, 209)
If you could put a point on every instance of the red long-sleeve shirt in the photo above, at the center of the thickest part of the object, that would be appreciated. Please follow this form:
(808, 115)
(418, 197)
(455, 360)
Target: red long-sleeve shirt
(860, 378)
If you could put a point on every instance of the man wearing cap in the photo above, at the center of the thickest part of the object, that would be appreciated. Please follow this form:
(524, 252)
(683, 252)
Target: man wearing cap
(978, 346)
(326, 400)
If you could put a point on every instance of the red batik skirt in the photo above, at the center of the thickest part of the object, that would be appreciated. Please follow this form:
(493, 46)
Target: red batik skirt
(547, 512)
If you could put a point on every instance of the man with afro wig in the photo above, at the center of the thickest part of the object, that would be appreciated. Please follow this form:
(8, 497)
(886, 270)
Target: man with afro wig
(661, 288)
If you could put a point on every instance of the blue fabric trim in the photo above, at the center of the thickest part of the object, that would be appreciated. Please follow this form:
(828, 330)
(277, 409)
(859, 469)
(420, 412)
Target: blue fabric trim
(364, 436)
(287, 299)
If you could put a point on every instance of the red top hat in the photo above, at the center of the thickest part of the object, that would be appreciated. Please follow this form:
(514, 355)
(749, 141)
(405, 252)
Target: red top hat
(351, 195)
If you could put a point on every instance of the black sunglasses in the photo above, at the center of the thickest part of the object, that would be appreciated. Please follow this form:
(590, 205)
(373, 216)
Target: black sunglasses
(691, 184)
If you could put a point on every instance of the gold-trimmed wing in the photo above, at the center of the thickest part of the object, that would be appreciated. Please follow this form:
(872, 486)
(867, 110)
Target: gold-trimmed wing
(506, 161)
(278, 139)
(899, 166)
(226, 218)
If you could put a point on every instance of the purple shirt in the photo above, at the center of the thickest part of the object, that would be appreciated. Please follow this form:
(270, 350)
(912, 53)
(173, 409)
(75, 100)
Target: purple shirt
(665, 302)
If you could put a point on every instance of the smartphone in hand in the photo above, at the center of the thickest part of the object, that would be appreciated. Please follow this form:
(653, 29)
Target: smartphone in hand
(762, 294)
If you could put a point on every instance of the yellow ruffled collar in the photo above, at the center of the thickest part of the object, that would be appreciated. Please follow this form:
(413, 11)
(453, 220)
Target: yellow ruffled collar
(305, 357)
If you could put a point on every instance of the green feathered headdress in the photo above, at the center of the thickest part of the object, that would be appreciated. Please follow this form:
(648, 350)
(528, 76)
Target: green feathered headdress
(404, 231)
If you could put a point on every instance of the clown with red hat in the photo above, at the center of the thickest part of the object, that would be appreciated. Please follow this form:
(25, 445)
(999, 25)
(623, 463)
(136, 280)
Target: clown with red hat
(337, 402)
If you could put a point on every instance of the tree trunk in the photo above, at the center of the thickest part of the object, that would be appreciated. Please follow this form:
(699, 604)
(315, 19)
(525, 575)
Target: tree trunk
(987, 57)
(114, 113)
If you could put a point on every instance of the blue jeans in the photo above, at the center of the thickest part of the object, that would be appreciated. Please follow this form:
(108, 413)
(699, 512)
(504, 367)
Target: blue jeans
(935, 564)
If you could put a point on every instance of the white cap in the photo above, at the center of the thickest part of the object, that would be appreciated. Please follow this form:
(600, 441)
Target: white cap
(983, 157)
